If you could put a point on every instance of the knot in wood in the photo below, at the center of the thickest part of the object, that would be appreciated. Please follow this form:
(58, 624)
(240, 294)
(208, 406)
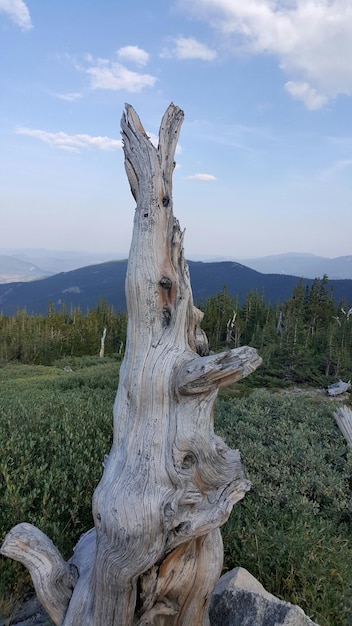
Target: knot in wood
(183, 528)
(165, 283)
(169, 510)
(188, 461)
(166, 201)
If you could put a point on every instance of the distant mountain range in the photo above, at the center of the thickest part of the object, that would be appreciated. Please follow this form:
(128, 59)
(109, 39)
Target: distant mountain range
(15, 270)
(32, 264)
(306, 265)
(84, 287)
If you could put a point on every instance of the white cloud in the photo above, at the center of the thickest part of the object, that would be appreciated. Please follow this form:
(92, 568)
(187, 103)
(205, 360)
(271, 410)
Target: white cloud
(69, 97)
(189, 48)
(111, 74)
(115, 76)
(18, 11)
(72, 143)
(153, 138)
(305, 92)
(134, 54)
(203, 177)
(311, 39)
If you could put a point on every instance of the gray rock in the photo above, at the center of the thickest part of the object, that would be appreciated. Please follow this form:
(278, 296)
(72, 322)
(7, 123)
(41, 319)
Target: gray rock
(240, 600)
(30, 613)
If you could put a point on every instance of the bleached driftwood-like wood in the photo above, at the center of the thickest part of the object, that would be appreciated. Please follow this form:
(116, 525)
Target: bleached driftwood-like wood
(102, 344)
(343, 418)
(218, 370)
(169, 482)
(53, 578)
(338, 388)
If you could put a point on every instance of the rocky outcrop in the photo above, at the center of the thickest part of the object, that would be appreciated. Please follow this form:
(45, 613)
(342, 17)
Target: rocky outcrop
(240, 600)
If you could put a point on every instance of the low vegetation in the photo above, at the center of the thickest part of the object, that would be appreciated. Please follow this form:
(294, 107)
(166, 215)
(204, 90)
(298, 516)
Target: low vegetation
(55, 427)
(292, 530)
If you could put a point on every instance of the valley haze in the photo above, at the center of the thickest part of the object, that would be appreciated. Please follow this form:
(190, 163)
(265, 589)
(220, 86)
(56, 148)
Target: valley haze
(31, 264)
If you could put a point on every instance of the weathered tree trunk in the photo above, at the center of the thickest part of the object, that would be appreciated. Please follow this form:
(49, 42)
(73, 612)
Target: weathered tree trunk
(102, 344)
(169, 482)
(343, 418)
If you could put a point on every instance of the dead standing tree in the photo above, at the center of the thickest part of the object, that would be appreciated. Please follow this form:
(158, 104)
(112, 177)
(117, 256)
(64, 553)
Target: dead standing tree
(169, 482)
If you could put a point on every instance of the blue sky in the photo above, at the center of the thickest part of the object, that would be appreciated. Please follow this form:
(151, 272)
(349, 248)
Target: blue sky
(264, 162)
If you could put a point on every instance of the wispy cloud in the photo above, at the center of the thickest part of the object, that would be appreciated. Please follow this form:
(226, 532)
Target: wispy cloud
(188, 48)
(249, 139)
(18, 12)
(342, 141)
(133, 54)
(69, 97)
(72, 143)
(311, 39)
(334, 169)
(112, 75)
(202, 177)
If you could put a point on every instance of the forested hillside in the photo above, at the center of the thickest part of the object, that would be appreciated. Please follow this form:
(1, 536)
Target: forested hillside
(307, 338)
(84, 287)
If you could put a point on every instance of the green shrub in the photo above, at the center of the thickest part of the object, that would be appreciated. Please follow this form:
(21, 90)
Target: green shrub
(55, 428)
(293, 530)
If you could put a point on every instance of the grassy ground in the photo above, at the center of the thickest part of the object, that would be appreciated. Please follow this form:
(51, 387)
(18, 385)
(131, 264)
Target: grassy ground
(292, 531)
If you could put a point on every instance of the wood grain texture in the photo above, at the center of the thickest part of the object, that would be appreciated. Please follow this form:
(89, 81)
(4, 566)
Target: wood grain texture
(343, 418)
(53, 578)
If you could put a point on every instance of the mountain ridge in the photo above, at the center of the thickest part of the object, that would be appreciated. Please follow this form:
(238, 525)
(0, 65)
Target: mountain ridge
(303, 264)
(16, 270)
(84, 287)
(51, 262)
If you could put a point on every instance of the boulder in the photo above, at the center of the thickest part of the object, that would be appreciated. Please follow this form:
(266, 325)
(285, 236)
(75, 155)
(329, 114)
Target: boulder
(239, 599)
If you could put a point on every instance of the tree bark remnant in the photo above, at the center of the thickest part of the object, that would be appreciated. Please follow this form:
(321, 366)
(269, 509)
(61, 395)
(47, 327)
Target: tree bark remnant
(169, 482)
(343, 418)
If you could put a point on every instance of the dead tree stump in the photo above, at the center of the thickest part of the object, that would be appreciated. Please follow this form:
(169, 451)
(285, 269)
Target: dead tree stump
(169, 482)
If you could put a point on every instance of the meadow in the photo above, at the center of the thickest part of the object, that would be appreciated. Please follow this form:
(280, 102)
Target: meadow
(292, 530)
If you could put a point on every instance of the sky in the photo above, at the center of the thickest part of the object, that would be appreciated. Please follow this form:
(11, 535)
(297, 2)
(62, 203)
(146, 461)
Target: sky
(264, 161)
